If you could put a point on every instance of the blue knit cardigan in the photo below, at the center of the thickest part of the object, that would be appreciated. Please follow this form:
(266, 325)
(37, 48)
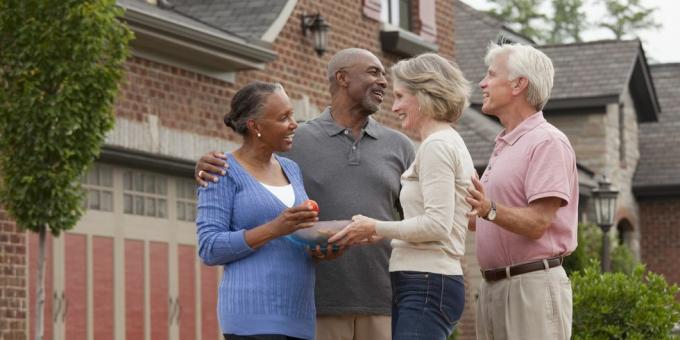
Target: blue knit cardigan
(269, 290)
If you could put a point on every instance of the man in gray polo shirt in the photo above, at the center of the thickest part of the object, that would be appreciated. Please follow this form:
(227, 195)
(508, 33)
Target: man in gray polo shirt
(351, 165)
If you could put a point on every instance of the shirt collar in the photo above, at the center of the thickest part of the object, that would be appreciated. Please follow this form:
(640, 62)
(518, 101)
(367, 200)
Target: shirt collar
(525, 126)
(332, 128)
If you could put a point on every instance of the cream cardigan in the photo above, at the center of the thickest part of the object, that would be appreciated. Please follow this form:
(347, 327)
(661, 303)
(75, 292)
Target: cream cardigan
(431, 238)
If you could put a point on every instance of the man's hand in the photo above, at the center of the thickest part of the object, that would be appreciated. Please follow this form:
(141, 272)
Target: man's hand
(209, 166)
(330, 254)
(477, 200)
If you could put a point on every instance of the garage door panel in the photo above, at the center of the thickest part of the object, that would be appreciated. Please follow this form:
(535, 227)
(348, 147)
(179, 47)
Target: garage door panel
(187, 291)
(75, 286)
(209, 284)
(102, 280)
(159, 293)
(134, 289)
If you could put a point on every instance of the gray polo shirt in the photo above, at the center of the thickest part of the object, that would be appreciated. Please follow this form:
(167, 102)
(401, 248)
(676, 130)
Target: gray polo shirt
(348, 177)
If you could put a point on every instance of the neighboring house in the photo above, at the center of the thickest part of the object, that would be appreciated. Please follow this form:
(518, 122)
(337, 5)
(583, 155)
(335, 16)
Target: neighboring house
(657, 180)
(129, 269)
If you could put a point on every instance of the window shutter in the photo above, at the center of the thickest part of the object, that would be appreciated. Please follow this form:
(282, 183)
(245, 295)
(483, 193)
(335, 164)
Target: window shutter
(372, 9)
(428, 26)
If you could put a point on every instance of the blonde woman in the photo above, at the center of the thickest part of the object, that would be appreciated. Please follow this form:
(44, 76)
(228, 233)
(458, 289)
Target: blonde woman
(430, 94)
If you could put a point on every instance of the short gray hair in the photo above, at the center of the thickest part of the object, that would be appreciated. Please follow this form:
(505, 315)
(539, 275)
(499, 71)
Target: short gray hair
(247, 104)
(526, 61)
(438, 84)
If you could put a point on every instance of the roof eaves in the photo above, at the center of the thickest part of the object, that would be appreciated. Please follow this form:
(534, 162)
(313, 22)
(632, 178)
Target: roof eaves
(203, 39)
(581, 102)
(651, 88)
(656, 190)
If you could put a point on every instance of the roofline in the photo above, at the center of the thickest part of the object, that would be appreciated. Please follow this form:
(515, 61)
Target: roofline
(229, 48)
(281, 20)
(581, 102)
(502, 26)
(590, 42)
(641, 60)
(659, 65)
(585, 169)
(146, 160)
(656, 190)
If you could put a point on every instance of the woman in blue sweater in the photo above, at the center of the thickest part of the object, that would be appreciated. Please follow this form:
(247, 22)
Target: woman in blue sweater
(267, 291)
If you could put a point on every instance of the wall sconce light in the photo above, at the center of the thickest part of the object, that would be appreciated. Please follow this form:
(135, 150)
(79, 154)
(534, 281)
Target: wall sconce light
(316, 25)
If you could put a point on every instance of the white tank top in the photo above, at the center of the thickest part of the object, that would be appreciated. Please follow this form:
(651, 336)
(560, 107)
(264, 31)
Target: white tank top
(285, 193)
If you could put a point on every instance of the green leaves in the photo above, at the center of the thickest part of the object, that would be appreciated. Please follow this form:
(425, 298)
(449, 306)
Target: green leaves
(60, 66)
(567, 19)
(625, 17)
(524, 15)
(620, 306)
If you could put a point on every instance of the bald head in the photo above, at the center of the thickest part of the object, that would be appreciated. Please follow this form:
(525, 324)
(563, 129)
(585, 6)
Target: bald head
(345, 58)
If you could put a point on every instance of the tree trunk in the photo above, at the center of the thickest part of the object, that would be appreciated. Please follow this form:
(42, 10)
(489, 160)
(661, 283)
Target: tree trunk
(40, 288)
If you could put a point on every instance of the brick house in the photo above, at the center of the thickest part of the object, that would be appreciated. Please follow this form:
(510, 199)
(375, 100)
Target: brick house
(656, 184)
(129, 270)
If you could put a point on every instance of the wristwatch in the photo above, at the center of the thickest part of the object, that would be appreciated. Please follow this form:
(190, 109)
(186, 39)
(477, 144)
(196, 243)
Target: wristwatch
(491, 215)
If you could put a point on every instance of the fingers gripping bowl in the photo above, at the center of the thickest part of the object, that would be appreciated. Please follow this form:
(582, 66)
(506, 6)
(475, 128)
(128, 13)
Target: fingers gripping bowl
(319, 233)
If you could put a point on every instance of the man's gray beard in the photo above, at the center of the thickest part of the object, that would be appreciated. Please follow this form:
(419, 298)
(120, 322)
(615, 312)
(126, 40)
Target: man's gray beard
(369, 107)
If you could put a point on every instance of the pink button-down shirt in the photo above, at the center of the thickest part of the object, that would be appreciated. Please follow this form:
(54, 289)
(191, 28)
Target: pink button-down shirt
(533, 161)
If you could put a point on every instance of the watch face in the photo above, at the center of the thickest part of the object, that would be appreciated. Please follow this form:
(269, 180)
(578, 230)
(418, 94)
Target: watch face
(492, 215)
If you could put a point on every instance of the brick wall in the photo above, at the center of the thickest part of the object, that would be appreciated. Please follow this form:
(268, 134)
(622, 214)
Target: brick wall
(660, 236)
(13, 273)
(192, 102)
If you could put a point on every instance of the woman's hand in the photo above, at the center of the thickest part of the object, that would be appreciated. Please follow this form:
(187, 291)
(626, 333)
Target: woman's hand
(292, 219)
(330, 254)
(360, 231)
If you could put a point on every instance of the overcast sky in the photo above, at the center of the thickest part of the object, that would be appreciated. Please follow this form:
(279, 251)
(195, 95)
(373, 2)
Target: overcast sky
(660, 45)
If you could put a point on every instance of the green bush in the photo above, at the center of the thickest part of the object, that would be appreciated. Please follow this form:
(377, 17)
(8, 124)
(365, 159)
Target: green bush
(619, 306)
(579, 258)
(623, 260)
(590, 249)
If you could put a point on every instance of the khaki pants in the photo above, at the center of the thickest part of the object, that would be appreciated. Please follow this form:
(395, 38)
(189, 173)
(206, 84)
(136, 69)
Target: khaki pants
(353, 327)
(536, 305)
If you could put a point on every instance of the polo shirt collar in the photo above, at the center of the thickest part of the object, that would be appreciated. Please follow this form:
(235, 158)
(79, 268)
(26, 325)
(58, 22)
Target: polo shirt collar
(332, 128)
(525, 126)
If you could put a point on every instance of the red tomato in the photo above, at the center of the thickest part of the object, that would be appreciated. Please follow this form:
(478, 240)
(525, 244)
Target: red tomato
(312, 205)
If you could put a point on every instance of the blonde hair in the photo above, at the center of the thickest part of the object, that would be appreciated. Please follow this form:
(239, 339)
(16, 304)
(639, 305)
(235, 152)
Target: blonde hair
(526, 61)
(438, 84)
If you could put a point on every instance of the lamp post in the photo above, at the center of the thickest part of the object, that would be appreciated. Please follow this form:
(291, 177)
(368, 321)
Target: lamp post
(604, 199)
(317, 26)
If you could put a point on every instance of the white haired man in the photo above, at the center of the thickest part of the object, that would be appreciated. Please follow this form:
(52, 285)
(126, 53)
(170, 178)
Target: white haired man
(525, 206)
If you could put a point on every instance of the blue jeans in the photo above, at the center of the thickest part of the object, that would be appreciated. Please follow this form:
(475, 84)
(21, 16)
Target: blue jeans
(425, 305)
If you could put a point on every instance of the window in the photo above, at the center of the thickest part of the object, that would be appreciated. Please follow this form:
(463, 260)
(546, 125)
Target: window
(397, 13)
(186, 200)
(98, 184)
(131, 191)
(144, 194)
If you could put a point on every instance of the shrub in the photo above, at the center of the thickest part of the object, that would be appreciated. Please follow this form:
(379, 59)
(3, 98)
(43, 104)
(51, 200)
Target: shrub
(619, 306)
(590, 249)
(623, 260)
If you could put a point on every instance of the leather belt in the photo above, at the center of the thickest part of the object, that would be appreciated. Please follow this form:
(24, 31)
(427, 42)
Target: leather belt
(496, 274)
